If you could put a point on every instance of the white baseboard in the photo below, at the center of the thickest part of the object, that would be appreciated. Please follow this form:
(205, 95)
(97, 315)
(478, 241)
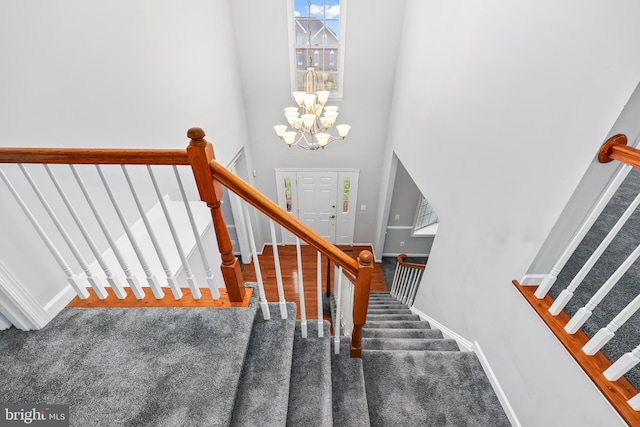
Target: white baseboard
(4, 323)
(465, 344)
(502, 397)
(18, 306)
(60, 301)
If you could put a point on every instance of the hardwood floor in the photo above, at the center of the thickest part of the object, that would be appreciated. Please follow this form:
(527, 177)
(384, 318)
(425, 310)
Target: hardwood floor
(289, 268)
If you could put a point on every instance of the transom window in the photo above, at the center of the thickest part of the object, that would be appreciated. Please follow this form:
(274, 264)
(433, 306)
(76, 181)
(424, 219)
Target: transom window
(318, 27)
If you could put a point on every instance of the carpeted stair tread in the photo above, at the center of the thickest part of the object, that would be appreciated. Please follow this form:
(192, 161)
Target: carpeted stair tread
(310, 391)
(263, 389)
(403, 324)
(402, 344)
(401, 333)
(348, 391)
(131, 366)
(389, 311)
(429, 388)
(383, 317)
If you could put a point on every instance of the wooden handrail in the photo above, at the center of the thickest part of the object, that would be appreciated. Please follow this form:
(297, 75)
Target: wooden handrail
(94, 156)
(401, 261)
(282, 217)
(615, 148)
(616, 392)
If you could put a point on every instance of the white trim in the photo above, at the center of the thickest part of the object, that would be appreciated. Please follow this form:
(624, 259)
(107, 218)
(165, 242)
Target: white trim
(502, 397)
(60, 301)
(18, 306)
(395, 254)
(465, 344)
(4, 323)
(399, 227)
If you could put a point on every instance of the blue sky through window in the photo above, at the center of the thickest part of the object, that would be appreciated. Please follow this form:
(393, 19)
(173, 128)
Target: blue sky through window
(326, 10)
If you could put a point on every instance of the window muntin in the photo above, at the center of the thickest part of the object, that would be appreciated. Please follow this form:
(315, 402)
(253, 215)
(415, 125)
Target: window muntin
(425, 215)
(318, 43)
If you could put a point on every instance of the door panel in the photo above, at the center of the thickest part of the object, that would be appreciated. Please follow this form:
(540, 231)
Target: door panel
(317, 202)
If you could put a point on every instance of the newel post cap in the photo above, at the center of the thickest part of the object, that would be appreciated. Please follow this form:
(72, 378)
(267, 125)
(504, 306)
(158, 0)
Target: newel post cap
(195, 133)
(365, 257)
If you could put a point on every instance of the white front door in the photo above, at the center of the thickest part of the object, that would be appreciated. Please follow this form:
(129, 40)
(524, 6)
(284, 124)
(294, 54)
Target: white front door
(317, 202)
(322, 199)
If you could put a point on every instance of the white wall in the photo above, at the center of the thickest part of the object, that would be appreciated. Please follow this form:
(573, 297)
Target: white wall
(402, 213)
(499, 108)
(372, 37)
(110, 74)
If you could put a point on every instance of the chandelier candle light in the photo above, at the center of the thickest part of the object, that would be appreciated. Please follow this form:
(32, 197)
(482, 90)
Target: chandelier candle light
(310, 129)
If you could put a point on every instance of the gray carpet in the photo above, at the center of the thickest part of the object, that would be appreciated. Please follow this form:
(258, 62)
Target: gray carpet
(412, 376)
(263, 390)
(628, 336)
(130, 367)
(220, 367)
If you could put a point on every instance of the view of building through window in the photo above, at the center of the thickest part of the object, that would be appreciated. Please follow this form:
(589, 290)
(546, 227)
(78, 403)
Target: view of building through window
(317, 42)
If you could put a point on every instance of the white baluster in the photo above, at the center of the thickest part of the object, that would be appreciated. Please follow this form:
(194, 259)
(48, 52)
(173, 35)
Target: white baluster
(404, 276)
(394, 285)
(151, 279)
(605, 334)
(256, 264)
(173, 285)
(114, 282)
(303, 311)
(566, 295)
(95, 282)
(73, 280)
(320, 311)
(634, 402)
(585, 312)
(276, 262)
(623, 364)
(191, 281)
(410, 282)
(131, 279)
(550, 278)
(337, 274)
(215, 293)
(414, 288)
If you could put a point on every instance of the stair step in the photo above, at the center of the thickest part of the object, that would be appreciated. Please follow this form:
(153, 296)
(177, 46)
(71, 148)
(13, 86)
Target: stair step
(443, 387)
(403, 324)
(389, 311)
(387, 304)
(310, 394)
(264, 381)
(379, 317)
(396, 344)
(349, 394)
(401, 333)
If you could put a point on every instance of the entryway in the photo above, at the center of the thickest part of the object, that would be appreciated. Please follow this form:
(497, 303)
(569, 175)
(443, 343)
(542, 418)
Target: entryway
(324, 199)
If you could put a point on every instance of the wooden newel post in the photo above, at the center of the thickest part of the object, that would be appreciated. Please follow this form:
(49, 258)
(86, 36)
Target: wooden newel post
(200, 153)
(361, 300)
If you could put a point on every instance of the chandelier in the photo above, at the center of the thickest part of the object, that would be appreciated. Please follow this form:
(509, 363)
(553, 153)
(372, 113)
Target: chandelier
(310, 127)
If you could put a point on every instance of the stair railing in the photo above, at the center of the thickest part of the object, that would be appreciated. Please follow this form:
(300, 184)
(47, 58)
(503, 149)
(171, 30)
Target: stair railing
(406, 280)
(115, 267)
(211, 176)
(607, 376)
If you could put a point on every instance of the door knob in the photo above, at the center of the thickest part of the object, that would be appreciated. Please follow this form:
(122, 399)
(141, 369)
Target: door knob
(332, 216)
